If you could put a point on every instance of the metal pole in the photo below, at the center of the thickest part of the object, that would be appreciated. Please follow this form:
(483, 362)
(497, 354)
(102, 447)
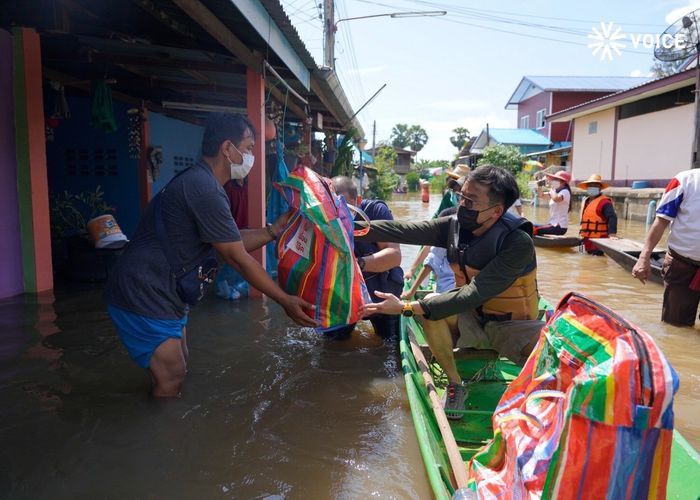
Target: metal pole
(374, 136)
(328, 35)
(362, 172)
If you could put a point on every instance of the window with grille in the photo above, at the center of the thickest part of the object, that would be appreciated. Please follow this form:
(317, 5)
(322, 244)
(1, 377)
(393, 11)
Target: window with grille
(84, 162)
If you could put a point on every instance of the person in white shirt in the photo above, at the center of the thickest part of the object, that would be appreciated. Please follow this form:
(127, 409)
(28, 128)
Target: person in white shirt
(679, 208)
(517, 208)
(559, 205)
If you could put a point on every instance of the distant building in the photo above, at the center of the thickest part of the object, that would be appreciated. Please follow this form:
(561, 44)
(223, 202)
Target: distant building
(641, 133)
(526, 140)
(536, 97)
(404, 158)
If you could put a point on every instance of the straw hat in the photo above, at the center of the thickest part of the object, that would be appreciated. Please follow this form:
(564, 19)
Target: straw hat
(593, 179)
(459, 171)
(560, 176)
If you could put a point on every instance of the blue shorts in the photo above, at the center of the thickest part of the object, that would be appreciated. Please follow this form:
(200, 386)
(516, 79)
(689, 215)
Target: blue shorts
(142, 335)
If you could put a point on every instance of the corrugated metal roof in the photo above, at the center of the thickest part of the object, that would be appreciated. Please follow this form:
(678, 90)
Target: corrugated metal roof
(524, 136)
(616, 97)
(572, 84)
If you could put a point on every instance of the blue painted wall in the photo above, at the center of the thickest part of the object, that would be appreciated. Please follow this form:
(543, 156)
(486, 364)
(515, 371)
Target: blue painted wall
(80, 158)
(181, 143)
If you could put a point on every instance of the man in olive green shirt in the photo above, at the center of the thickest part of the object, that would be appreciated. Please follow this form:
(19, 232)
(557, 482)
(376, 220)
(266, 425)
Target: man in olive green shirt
(493, 251)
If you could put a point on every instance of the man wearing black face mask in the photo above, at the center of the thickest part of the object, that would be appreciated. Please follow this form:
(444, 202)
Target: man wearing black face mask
(495, 303)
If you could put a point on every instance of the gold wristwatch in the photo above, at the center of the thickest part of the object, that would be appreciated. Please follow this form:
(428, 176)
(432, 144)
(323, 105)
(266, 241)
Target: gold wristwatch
(407, 309)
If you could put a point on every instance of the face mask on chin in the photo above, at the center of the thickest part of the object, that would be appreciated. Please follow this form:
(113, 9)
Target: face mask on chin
(241, 170)
(467, 218)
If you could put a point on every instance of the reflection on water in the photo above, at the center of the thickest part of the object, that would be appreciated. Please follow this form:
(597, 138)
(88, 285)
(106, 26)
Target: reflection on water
(268, 410)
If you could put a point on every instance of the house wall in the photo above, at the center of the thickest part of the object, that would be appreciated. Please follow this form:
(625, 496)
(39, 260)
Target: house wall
(530, 107)
(181, 143)
(560, 132)
(593, 153)
(654, 146)
(11, 280)
(80, 158)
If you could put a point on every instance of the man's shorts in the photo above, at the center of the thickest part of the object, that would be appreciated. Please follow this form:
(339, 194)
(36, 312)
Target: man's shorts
(680, 305)
(142, 335)
(509, 338)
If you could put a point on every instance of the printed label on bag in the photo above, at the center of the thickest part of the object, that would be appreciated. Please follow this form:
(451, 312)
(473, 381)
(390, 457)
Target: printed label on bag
(301, 242)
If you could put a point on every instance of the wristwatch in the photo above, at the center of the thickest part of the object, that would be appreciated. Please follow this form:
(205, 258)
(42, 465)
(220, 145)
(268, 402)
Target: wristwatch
(272, 234)
(361, 263)
(407, 309)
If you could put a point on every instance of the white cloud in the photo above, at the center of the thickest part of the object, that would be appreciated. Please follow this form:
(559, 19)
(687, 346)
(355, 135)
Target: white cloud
(456, 105)
(679, 12)
(639, 72)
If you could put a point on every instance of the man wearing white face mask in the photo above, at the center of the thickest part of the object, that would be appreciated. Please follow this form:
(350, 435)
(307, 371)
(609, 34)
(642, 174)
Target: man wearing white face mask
(598, 216)
(171, 258)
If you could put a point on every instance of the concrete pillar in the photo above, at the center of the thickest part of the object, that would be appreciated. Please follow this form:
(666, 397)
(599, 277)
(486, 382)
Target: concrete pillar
(32, 181)
(145, 177)
(256, 179)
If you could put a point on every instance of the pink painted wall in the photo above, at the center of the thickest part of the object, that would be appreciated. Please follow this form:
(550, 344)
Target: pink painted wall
(10, 251)
(654, 145)
(593, 152)
(563, 100)
(530, 107)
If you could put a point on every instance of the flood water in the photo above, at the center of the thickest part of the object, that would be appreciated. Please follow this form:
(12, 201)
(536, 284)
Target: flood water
(269, 410)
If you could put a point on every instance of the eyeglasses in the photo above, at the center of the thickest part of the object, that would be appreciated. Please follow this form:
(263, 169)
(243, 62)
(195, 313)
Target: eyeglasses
(469, 203)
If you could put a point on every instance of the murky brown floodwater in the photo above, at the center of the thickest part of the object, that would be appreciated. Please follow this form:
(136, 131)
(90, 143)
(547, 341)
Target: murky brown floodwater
(268, 410)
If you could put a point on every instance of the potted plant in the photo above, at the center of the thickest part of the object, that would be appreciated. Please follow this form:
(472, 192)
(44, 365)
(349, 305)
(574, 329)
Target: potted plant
(72, 251)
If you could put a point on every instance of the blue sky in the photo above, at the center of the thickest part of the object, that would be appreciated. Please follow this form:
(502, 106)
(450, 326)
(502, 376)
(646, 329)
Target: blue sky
(460, 69)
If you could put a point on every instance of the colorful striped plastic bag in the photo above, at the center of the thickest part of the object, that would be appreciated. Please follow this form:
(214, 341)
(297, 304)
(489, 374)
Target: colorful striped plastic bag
(315, 250)
(589, 417)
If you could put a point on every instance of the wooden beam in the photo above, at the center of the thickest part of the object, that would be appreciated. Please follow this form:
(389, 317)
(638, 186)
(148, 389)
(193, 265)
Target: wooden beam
(70, 81)
(224, 66)
(218, 30)
(281, 97)
(162, 17)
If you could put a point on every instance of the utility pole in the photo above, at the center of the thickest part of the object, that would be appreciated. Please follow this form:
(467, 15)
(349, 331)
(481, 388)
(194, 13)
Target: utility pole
(374, 137)
(328, 35)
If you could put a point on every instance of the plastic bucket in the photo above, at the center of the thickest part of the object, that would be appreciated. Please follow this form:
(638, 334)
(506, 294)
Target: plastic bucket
(640, 184)
(105, 232)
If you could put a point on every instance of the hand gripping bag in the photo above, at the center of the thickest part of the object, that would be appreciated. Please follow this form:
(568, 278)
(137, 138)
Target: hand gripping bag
(589, 417)
(315, 250)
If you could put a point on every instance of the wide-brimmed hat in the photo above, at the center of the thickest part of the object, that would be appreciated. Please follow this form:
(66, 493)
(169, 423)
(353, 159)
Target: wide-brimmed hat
(593, 179)
(459, 171)
(563, 176)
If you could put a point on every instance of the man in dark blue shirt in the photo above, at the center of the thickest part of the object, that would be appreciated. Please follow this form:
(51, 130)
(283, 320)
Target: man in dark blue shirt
(145, 303)
(379, 261)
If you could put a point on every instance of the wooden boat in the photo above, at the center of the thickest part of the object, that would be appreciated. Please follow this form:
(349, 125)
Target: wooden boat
(626, 252)
(552, 241)
(446, 446)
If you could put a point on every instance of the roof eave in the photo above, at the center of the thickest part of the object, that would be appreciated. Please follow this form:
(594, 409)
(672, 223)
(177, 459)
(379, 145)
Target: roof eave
(325, 84)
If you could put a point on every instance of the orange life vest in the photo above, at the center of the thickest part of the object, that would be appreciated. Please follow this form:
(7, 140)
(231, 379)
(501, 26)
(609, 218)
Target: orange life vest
(520, 300)
(593, 225)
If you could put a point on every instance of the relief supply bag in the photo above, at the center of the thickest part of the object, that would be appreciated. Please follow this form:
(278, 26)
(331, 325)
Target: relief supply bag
(315, 250)
(590, 416)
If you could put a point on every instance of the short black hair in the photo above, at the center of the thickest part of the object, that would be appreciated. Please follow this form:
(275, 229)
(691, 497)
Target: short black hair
(344, 185)
(502, 185)
(222, 127)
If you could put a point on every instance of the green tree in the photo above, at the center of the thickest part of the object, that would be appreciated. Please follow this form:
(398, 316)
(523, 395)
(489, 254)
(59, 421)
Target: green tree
(502, 156)
(385, 180)
(666, 68)
(344, 156)
(413, 180)
(460, 137)
(400, 136)
(418, 137)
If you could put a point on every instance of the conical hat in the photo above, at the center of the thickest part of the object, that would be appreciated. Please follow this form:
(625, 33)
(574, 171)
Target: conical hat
(593, 179)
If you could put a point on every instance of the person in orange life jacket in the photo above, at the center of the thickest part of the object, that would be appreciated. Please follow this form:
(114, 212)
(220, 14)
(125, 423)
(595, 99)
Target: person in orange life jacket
(379, 262)
(559, 205)
(189, 221)
(598, 217)
(495, 302)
